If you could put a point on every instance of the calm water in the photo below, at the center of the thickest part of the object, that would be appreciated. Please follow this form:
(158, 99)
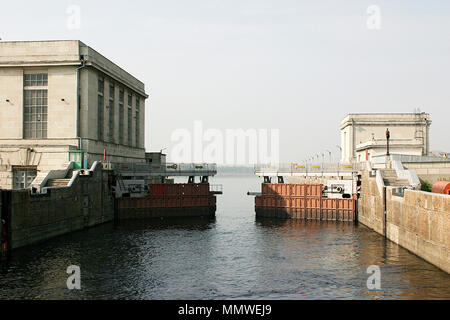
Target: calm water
(231, 257)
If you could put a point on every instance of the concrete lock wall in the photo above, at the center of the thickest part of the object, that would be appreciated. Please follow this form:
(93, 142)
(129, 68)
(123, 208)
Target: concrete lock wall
(33, 218)
(370, 204)
(431, 172)
(418, 221)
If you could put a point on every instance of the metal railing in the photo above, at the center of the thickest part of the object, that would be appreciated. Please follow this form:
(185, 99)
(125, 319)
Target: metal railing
(165, 170)
(298, 168)
(408, 159)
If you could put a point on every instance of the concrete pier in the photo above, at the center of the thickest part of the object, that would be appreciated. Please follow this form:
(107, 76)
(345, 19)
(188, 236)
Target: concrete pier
(32, 218)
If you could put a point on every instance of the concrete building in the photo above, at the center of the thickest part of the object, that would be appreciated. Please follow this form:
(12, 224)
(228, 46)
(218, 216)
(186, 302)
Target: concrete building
(61, 102)
(156, 158)
(363, 136)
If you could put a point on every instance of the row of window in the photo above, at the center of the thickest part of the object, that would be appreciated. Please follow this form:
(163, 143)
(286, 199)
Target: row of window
(111, 113)
(36, 110)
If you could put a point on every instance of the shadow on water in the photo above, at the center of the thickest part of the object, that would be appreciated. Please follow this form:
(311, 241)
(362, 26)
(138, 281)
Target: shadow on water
(201, 223)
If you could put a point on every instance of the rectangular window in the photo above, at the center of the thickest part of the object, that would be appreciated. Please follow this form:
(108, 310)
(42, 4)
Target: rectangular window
(35, 105)
(35, 114)
(121, 116)
(101, 107)
(129, 116)
(36, 80)
(23, 178)
(111, 112)
(137, 122)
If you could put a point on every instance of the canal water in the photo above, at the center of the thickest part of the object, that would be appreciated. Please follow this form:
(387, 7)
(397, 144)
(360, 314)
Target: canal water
(233, 256)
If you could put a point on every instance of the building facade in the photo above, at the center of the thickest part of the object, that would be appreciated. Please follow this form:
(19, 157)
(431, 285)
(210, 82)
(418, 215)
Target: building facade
(363, 136)
(61, 102)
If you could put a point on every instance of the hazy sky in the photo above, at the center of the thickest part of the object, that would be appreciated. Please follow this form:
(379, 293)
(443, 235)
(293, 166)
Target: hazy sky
(296, 66)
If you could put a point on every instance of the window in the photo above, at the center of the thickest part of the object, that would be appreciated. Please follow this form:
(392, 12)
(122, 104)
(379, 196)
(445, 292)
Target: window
(36, 80)
(121, 116)
(101, 107)
(130, 100)
(111, 112)
(35, 108)
(137, 122)
(23, 178)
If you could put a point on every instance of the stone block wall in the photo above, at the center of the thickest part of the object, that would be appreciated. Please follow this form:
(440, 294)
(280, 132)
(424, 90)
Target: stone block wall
(371, 204)
(6, 177)
(418, 221)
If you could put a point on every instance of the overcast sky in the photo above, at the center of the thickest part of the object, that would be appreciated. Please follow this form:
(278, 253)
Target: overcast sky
(296, 66)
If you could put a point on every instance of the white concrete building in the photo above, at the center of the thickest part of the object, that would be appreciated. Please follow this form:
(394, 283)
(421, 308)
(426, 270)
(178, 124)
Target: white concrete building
(62, 101)
(363, 136)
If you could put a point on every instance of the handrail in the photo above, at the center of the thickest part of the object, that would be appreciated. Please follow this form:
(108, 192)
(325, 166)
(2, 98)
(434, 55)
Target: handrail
(168, 169)
(293, 168)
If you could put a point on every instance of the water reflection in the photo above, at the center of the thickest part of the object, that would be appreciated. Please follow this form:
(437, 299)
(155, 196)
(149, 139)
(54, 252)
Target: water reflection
(231, 257)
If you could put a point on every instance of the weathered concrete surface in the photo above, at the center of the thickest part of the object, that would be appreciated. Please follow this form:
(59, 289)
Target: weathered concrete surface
(34, 218)
(418, 221)
(370, 204)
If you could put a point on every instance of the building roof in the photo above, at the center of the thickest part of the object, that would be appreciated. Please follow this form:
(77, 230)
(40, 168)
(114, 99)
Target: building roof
(64, 52)
(390, 119)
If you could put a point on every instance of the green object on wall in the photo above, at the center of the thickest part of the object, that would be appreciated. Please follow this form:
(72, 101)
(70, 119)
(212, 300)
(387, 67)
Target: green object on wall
(79, 158)
(426, 186)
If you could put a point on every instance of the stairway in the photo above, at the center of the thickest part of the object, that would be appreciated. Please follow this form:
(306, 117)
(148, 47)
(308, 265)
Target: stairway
(56, 183)
(391, 180)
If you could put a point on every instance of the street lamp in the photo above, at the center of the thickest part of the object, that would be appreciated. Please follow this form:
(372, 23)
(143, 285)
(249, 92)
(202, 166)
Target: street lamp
(329, 154)
(340, 149)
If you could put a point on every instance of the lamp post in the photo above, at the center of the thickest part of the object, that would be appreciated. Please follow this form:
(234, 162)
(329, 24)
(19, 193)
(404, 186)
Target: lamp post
(340, 150)
(329, 152)
(388, 137)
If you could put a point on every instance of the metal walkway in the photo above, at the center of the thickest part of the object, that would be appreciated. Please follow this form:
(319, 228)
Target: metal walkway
(308, 170)
(167, 170)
